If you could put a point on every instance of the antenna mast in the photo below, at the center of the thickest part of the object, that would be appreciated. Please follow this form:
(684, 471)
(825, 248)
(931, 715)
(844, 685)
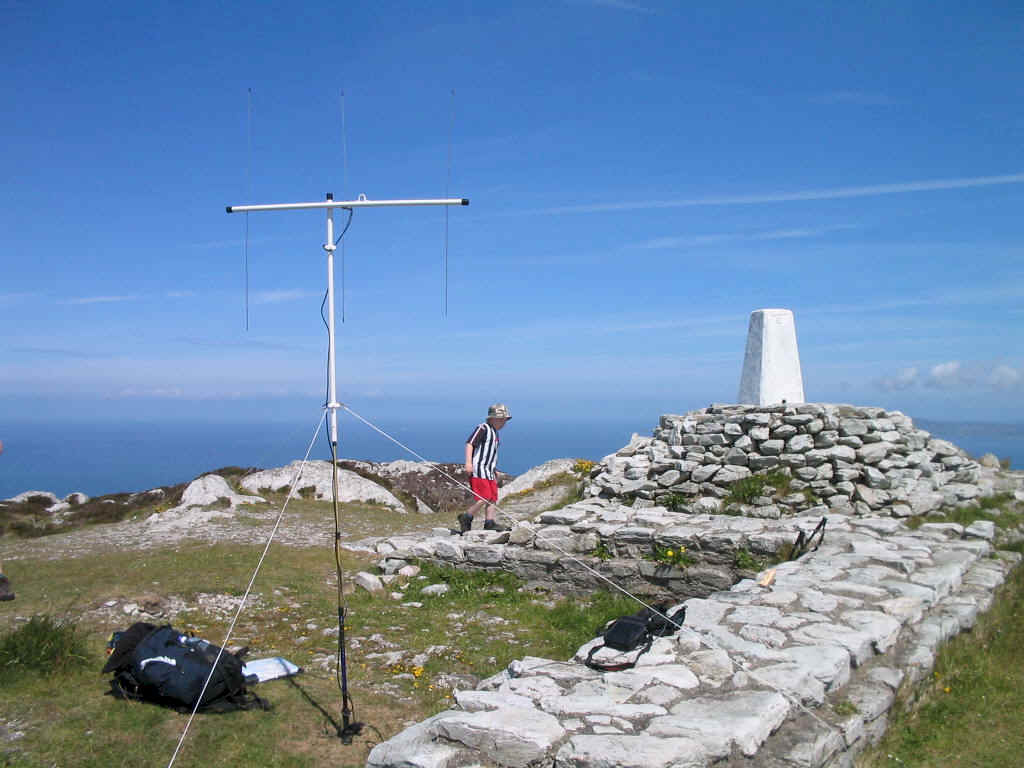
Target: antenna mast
(349, 727)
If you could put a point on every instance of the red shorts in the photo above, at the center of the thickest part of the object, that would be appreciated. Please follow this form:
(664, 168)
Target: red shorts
(485, 490)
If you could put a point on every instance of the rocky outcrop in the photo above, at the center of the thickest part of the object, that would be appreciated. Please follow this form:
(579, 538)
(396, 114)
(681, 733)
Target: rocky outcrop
(317, 476)
(205, 499)
(851, 459)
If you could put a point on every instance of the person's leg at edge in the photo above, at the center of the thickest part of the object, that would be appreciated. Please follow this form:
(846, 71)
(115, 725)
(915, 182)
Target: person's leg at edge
(466, 518)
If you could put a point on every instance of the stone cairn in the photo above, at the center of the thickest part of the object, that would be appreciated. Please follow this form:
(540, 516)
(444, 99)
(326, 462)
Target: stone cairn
(842, 459)
(779, 662)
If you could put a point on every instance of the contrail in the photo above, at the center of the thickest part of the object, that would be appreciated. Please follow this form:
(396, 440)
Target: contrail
(836, 193)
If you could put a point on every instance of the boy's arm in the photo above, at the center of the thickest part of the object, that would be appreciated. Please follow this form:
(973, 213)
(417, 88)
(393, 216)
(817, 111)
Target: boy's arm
(469, 459)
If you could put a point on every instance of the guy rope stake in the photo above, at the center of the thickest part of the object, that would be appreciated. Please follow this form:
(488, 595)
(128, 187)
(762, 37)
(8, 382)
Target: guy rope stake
(349, 727)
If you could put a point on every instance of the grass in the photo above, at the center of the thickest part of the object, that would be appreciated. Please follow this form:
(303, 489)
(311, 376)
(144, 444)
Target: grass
(745, 490)
(42, 646)
(998, 509)
(485, 621)
(969, 714)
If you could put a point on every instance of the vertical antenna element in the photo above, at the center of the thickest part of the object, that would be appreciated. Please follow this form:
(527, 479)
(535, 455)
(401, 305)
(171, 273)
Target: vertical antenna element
(344, 164)
(249, 184)
(447, 184)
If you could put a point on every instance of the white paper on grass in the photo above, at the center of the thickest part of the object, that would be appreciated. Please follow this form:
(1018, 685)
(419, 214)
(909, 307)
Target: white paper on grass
(270, 669)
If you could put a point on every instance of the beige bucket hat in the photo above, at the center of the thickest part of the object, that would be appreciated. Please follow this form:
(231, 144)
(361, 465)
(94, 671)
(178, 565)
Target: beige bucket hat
(498, 411)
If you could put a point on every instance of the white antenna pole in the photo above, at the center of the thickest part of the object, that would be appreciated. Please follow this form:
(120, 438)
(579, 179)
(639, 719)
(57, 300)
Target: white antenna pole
(332, 394)
(330, 204)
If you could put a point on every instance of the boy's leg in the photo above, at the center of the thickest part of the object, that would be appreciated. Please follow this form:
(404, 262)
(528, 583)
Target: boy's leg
(466, 518)
(490, 524)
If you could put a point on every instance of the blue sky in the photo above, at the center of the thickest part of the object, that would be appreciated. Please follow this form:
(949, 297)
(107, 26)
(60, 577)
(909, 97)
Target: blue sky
(643, 175)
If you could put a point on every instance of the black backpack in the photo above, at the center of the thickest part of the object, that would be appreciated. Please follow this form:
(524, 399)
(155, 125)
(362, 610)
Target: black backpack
(162, 665)
(637, 630)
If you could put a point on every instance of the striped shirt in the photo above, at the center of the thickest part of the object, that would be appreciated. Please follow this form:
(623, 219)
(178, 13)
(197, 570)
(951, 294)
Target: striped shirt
(485, 451)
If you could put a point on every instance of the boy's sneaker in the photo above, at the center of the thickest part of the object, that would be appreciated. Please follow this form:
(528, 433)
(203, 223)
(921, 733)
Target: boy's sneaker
(465, 522)
(491, 525)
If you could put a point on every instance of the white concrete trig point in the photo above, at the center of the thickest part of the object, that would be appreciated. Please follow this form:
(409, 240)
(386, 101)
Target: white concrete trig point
(771, 365)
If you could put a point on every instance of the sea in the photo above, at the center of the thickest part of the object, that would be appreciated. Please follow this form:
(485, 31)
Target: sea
(98, 458)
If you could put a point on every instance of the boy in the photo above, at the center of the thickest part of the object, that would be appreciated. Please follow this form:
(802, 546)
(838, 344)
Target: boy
(481, 460)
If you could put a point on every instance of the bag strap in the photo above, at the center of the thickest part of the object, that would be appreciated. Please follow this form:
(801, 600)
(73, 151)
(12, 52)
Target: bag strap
(619, 666)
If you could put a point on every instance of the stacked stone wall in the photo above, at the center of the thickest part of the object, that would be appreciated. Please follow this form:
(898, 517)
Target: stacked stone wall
(833, 458)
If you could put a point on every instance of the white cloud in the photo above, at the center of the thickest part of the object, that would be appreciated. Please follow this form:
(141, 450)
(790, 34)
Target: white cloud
(833, 193)
(1005, 377)
(99, 299)
(905, 379)
(159, 392)
(279, 297)
(691, 241)
(945, 371)
(954, 375)
(180, 294)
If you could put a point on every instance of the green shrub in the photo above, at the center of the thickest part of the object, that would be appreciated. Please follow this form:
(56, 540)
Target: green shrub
(601, 552)
(671, 556)
(676, 502)
(745, 561)
(44, 646)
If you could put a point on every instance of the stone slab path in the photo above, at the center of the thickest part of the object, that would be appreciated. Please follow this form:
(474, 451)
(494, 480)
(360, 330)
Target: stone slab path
(800, 673)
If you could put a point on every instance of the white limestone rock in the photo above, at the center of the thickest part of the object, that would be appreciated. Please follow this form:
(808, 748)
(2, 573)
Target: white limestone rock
(416, 747)
(629, 751)
(200, 494)
(579, 706)
(533, 688)
(829, 663)
(981, 529)
(793, 678)
(859, 644)
(511, 736)
(318, 474)
(883, 629)
(743, 718)
(370, 582)
(486, 701)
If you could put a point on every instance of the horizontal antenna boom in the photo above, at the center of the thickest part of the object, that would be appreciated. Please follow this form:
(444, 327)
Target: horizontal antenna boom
(360, 203)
